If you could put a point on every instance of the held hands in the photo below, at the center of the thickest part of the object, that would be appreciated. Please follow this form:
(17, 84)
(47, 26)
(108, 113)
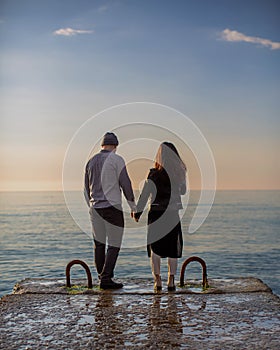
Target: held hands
(134, 216)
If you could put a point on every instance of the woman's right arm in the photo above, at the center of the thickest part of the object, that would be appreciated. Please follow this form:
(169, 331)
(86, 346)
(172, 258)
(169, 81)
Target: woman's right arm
(143, 199)
(183, 184)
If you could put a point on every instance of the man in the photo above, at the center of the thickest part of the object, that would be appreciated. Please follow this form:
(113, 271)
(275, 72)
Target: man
(105, 177)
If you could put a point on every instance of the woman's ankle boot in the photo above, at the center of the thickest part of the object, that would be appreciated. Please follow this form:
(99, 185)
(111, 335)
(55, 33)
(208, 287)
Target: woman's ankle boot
(170, 284)
(157, 285)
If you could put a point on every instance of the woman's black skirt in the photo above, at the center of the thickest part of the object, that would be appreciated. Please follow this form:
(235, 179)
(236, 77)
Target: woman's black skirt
(164, 234)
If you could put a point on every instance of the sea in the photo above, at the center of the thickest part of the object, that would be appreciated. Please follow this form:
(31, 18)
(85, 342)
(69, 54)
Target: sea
(239, 238)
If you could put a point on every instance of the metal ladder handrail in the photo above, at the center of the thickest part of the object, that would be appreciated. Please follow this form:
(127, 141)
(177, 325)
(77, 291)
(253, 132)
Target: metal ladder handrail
(204, 270)
(84, 265)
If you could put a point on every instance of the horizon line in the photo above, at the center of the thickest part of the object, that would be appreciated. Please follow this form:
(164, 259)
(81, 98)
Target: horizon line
(135, 189)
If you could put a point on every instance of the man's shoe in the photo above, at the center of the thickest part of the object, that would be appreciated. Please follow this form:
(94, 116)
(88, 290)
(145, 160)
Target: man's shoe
(110, 285)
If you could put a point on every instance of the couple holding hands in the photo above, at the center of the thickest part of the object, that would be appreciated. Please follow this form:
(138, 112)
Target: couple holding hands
(105, 177)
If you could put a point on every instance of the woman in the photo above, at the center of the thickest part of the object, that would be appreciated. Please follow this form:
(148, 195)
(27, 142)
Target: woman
(164, 186)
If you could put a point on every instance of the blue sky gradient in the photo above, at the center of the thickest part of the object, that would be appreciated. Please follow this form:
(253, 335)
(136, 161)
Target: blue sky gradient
(169, 52)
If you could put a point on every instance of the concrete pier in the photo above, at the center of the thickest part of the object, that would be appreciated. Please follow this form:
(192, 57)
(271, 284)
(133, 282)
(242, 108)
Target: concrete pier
(239, 313)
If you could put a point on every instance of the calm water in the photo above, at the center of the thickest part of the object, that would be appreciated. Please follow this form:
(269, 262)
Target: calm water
(241, 237)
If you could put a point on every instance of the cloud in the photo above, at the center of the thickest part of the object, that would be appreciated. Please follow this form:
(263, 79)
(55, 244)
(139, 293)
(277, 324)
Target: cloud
(103, 8)
(233, 35)
(71, 31)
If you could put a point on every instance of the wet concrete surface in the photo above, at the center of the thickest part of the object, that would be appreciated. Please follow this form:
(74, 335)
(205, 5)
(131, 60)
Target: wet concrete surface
(236, 314)
(140, 286)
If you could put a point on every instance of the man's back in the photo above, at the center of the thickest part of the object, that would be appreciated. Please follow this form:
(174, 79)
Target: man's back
(105, 176)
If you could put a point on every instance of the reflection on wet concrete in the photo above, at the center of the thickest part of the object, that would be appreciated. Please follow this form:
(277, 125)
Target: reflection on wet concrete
(110, 320)
(109, 327)
(164, 318)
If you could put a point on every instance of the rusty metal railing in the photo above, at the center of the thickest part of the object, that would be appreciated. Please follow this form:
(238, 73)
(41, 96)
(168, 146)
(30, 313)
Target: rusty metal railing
(204, 271)
(85, 266)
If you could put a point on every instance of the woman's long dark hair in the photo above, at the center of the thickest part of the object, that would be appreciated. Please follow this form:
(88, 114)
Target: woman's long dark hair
(168, 158)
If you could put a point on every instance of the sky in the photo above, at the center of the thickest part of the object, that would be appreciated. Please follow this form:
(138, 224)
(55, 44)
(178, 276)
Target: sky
(217, 62)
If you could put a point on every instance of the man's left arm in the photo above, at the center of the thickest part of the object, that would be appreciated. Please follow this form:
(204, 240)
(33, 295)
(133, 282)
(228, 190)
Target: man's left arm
(125, 185)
